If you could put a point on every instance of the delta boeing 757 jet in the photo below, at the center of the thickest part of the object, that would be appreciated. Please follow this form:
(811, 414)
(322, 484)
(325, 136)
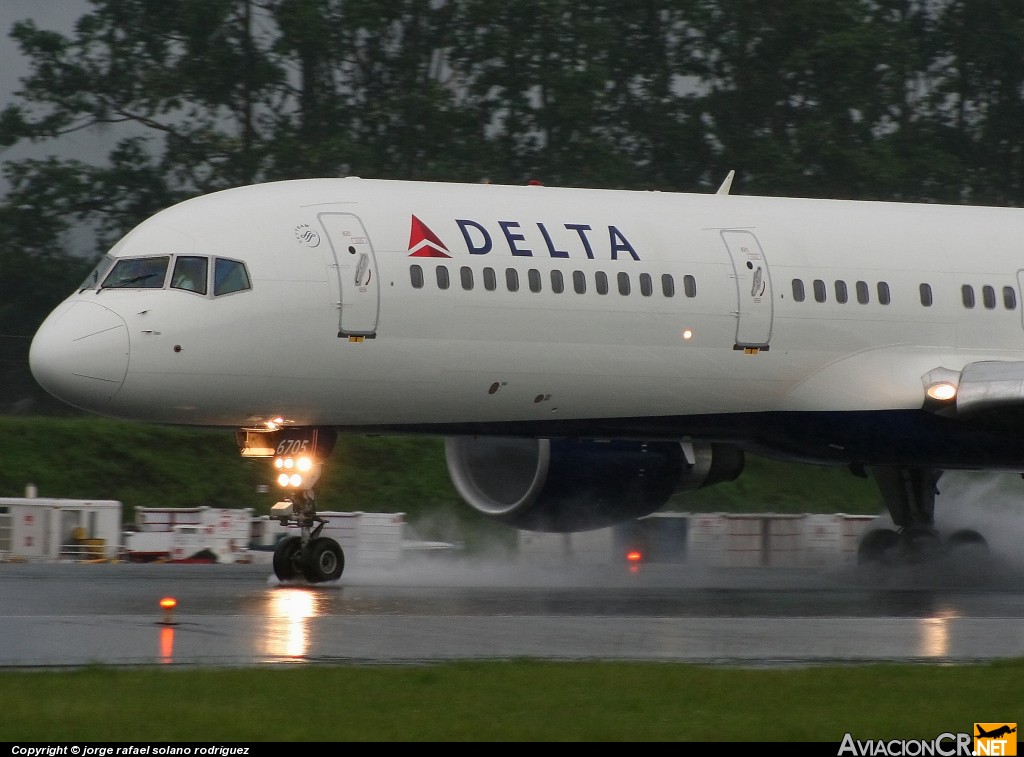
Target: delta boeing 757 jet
(586, 353)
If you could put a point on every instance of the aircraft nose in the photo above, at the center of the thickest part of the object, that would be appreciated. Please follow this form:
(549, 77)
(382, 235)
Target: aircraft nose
(80, 354)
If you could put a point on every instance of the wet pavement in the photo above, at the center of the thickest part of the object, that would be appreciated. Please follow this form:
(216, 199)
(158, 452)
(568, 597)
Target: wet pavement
(70, 614)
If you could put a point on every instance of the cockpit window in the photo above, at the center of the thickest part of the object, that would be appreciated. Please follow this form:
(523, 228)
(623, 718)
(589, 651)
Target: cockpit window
(229, 276)
(138, 273)
(190, 273)
(96, 274)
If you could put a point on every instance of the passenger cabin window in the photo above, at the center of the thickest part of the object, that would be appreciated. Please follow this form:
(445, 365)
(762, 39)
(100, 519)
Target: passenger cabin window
(988, 297)
(819, 290)
(623, 279)
(863, 293)
(668, 285)
(138, 273)
(926, 295)
(967, 295)
(579, 282)
(229, 276)
(883, 293)
(798, 290)
(842, 296)
(690, 286)
(646, 285)
(1009, 298)
(190, 273)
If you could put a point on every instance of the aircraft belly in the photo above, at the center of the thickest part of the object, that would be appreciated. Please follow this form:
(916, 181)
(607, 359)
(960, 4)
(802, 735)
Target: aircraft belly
(361, 384)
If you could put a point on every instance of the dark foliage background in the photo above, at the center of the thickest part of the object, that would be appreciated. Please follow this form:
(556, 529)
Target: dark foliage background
(900, 100)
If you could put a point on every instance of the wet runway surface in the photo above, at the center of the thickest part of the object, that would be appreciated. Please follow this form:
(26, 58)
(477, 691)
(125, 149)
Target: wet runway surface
(78, 614)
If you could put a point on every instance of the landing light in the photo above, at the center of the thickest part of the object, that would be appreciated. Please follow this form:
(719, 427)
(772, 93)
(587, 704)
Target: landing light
(941, 386)
(943, 391)
(297, 472)
(289, 481)
(287, 465)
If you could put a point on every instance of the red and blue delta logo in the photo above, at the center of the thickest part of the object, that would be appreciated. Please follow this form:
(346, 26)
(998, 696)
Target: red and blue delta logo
(423, 243)
(525, 239)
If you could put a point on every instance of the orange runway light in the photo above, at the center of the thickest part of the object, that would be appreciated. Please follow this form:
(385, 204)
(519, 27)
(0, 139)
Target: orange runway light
(633, 558)
(168, 604)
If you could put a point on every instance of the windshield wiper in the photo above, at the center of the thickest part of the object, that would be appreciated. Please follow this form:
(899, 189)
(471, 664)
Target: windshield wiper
(129, 282)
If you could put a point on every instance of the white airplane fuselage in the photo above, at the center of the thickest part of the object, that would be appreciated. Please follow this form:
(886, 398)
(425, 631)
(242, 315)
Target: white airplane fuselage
(348, 322)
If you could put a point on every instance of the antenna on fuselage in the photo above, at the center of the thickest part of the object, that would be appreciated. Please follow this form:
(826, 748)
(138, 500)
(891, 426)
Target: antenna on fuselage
(727, 184)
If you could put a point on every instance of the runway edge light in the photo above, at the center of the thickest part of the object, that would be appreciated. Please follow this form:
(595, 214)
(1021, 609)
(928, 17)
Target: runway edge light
(168, 604)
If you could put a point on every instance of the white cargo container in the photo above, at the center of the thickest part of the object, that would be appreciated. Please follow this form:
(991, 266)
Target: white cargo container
(190, 534)
(367, 538)
(231, 522)
(707, 538)
(851, 529)
(822, 545)
(372, 539)
(722, 540)
(783, 539)
(40, 528)
(583, 548)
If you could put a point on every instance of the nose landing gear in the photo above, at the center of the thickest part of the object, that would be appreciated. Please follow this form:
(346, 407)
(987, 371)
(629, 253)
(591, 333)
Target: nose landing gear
(314, 557)
(298, 455)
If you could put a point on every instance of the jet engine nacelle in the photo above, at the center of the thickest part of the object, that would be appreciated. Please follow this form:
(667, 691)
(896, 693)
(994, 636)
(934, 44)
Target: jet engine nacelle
(566, 485)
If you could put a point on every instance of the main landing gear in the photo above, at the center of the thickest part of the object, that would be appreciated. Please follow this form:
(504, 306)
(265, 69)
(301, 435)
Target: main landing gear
(298, 455)
(909, 494)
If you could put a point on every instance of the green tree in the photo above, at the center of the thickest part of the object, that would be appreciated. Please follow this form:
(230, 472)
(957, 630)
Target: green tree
(590, 95)
(183, 84)
(825, 99)
(34, 278)
(375, 95)
(654, 96)
(979, 99)
(180, 84)
(205, 94)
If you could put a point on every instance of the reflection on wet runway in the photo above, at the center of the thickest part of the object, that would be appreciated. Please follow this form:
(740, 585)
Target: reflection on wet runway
(73, 614)
(288, 618)
(166, 644)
